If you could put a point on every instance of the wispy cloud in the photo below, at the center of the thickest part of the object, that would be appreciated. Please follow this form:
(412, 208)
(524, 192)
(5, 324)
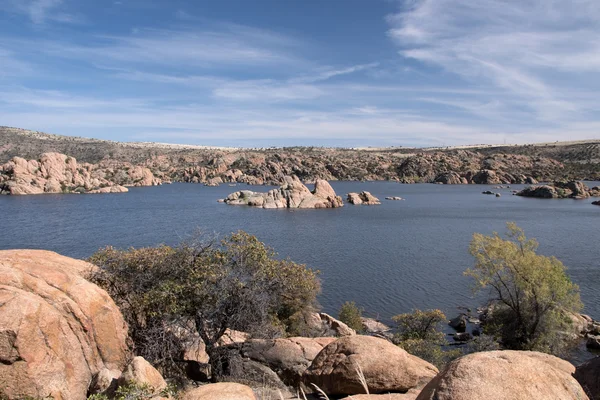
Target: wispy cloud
(12, 65)
(38, 9)
(533, 50)
(40, 12)
(267, 90)
(151, 119)
(328, 73)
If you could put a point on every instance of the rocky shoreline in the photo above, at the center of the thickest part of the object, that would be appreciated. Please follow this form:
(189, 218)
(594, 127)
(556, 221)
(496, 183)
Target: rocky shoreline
(63, 336)
(561, 190)
(59, 173)
(112, 161)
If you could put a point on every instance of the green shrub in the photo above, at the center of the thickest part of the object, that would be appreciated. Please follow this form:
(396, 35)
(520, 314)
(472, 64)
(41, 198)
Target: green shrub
(167, 294)
(351, 315)
(532, 295)
(133, 391)
(420, 334)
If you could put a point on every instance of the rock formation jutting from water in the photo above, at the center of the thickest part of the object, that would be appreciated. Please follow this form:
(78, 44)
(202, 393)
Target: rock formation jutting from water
(561, 190)
(292, 194)
(365, 198)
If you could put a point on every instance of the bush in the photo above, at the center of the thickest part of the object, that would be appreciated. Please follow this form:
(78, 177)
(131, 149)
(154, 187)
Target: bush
(202, 287)
(351, 315)
(134, 391)
(419, 334)
(531, 294)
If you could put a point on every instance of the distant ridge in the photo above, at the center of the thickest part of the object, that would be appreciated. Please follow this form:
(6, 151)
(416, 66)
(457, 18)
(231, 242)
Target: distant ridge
(161, 145)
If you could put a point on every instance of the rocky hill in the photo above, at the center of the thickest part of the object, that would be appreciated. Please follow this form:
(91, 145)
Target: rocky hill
(211, 165)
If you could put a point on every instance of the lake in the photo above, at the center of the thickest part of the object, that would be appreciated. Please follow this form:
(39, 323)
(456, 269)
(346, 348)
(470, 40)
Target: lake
(389, 259)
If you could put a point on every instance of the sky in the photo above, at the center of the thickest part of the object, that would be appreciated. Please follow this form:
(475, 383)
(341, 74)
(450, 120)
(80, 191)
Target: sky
(264, 73)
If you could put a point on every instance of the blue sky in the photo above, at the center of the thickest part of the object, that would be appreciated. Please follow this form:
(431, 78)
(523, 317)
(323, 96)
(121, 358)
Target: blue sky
(303, 72)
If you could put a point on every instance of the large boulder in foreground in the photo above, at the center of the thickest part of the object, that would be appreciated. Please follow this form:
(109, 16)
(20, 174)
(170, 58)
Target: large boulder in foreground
(500, 375)
(292, 194)
(386, 367)
(588, 376)
(288, 357)
(410, 395)
(57, 330)
(220, 391)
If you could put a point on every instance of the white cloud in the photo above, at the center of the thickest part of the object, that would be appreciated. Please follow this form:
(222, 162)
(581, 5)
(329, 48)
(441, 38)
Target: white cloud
(534, 50)
(221, 124)
(328, 73)
(38, 9)
(174, 49)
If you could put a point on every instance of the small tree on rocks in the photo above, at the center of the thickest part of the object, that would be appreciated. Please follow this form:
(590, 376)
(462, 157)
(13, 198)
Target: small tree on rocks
(531, 294)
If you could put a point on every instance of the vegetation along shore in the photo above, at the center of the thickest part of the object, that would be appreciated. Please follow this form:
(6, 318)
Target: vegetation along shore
(226, 319)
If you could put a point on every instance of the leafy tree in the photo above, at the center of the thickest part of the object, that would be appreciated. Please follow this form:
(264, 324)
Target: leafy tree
(420, 334)
(351, 315)
(168, 293)
(531, 295)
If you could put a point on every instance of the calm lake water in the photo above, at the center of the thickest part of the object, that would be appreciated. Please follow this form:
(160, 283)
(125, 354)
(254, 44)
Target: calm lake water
(389, 259)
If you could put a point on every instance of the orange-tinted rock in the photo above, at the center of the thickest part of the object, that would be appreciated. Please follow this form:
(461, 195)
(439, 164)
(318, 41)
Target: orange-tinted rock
(141, 372)
(292, 194)
(499, 375)
(386, 367)
(57, 330)
(220, 391)
(59, 173)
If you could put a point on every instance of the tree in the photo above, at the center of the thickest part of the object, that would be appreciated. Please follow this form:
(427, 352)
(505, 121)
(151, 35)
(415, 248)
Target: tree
(531, 294)
(204, 286)
(351, 315)
(420, 334)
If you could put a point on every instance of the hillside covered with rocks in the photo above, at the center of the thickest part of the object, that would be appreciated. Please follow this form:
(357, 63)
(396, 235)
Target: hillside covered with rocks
(213, 166)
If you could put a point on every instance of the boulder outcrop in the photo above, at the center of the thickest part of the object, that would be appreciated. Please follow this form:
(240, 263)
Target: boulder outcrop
(410, 395)
(499, 375)
(292, 194)
(220, 391)
(451, 178)
(288, 357)
(141, 372)
(593, 342)
(59, 173)
(337, 326)
(371, 325)
(386, 368)
(588, 376)
(57, 330)
(365, 198)
(561, 190)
